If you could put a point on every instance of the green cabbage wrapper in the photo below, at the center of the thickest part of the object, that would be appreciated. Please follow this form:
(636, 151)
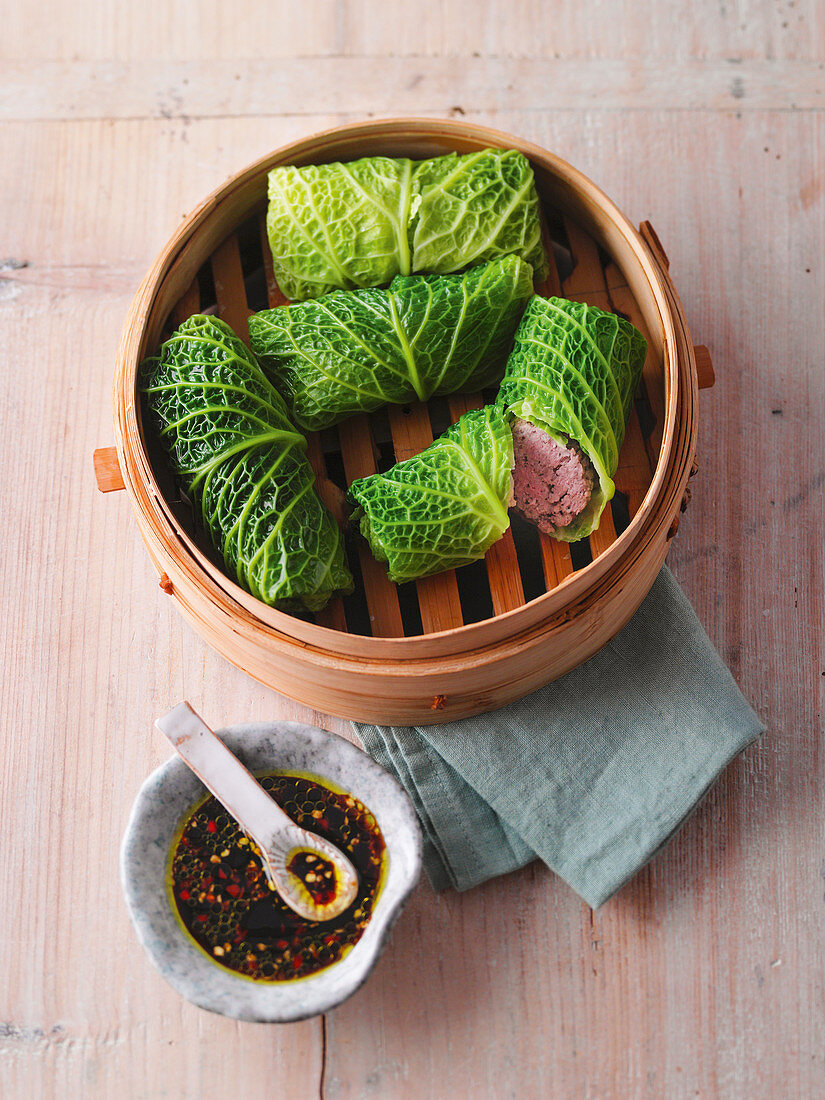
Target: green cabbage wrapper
(345, 226)
(231, 443)
(446, 506)
(573, 372)
(354, 351)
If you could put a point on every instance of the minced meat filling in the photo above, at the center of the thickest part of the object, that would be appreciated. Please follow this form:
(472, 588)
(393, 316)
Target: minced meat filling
(552, 482)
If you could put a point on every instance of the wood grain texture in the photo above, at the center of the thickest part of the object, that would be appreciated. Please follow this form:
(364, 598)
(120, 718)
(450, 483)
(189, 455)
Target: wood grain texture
(705, 976)
(749, 29)
(415, 85)
(107, 470)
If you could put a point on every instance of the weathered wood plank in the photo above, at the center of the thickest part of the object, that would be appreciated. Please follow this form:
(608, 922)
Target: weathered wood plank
(705, 975)
(151, 88)
(430, 28)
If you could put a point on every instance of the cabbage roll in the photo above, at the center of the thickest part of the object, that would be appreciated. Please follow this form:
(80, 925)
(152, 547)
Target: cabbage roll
(344, 226)
(572, 376)
(243, 464)
(354, 351)
(444, 507)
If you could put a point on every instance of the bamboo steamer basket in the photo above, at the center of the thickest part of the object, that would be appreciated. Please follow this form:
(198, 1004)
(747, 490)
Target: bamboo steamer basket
(459, 643)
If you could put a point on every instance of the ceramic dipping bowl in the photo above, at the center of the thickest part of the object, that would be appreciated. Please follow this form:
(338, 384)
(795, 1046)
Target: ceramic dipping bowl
(168, 796)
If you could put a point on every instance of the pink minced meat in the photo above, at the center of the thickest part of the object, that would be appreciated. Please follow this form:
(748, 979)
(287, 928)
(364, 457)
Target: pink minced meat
(552, 482)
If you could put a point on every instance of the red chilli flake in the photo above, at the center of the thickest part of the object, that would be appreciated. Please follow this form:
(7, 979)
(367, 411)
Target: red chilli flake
(212, 827)
(234, 890)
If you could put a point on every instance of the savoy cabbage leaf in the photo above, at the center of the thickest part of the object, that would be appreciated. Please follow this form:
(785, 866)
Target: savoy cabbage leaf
(344, 226)
(573, 372)
(475, 207)
(334, 226)
(425, 335)
(232, 446)
(446, 506)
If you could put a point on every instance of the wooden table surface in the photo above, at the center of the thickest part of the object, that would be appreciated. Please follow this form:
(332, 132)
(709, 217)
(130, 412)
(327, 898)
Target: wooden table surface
(704, 976)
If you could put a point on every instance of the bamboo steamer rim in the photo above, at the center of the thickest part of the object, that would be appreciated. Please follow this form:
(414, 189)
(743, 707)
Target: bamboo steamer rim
(175, 553)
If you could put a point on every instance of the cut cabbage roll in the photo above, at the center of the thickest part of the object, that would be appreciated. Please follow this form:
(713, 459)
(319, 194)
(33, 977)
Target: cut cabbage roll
(345, 226)
(354, 351)
(243, 464)
(446, 506)
(572, 376)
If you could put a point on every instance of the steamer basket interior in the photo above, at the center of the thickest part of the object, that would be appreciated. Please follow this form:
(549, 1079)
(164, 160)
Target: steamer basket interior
(236, 279)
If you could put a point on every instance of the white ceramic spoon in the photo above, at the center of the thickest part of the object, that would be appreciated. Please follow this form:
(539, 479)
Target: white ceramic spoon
(277, 835)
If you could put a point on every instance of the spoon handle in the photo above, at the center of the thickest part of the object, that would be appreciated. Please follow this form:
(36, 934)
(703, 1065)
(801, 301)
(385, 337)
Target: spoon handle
(223, 773)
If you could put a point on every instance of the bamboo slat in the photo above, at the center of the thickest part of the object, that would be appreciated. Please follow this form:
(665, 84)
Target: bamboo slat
(557, 564)
(501, 560)
(556, 560)
(635, 468)
(229, 286)
(460, 403)
(275, 296)
(333, 615)
(588, 282)
(438, 598)
(189, 304)
(622, 299)
(506, 589)
(358, 454)
(550, 286)
(605, 534)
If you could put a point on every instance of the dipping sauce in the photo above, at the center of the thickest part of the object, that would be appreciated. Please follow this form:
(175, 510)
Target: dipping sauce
(317, 874)
(227, 905)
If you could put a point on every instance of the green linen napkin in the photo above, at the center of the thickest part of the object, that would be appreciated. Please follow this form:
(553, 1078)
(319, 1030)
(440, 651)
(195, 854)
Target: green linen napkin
(593, 773)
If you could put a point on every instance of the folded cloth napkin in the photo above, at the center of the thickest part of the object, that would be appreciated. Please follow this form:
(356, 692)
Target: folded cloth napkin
(591, 774)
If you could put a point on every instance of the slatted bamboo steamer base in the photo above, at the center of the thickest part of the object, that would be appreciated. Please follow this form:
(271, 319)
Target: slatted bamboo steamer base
(459, 643)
